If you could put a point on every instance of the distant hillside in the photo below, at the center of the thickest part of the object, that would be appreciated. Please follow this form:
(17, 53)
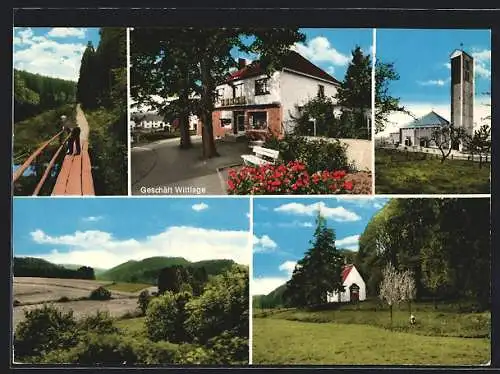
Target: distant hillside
(273, 299)
(97, 271)
(147, 270)
(36, 267)
(35, 93)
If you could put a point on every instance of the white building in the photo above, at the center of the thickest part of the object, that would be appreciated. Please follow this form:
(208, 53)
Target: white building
(249, 99)
(355, 288)
(419, 132)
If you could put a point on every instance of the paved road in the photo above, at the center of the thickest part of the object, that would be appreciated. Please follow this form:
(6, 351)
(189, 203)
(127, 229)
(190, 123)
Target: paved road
(82, 123)
(164, 166)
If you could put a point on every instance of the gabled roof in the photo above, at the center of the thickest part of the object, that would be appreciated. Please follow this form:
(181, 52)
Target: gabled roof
(346, 270)
(293, 61)
(431, 119)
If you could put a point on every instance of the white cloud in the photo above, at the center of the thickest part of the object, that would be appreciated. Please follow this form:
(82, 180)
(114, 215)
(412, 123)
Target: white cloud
(100, 249)
(93, 218)
(288, 267)
(65, 32)
(199, 207)
(330, 70)
(264, 285)
(295, 224)
(263, 244)
(447, 65)
(362, 201)
(320, 49)
(42, 55)
(339, 213)
(349, 242)
(431, 82)
(378, 205)
(482, 63)
(262, 207)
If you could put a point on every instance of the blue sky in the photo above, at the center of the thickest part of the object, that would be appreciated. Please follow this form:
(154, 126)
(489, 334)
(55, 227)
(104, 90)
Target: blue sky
(421, 58)
(104, 232)
(330, 49)
(54, 52)
(283, 228)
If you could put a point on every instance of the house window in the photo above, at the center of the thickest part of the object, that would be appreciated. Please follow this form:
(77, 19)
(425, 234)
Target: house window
(321, 90)
(220, 94)
(225, 122)
(261, 86)
(238, 90)
(258, 120)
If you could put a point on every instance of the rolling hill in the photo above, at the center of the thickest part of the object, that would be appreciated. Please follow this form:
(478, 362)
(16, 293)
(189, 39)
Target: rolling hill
(37, 267)
(146, 271)
(97, 271)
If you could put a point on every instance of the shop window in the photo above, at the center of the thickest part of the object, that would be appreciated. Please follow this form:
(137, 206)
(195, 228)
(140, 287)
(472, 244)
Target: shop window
(258, 120)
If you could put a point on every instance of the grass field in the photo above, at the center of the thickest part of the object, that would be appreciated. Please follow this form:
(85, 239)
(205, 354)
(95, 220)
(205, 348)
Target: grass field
(128, 287)
(362, 334)
(402, 172)
(277, 341)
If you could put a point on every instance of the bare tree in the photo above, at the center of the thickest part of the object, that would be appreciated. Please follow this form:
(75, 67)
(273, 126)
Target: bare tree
(408, 287)
(390, 287)
(445, 137)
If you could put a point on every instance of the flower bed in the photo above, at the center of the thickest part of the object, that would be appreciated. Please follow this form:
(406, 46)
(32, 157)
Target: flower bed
(287, 179)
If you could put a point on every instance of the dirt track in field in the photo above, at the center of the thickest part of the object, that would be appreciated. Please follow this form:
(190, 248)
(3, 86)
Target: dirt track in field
(32, 293)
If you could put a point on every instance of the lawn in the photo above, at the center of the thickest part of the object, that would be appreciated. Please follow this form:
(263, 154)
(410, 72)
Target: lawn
(128, 287)
(402, 172)
(132, 326)
(278, 341)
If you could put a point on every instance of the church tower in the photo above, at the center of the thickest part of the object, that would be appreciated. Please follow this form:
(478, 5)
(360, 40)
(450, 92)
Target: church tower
(462, 90)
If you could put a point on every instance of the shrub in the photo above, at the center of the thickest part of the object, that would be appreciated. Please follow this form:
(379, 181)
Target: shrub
(223, 306)
(317, 155)
(195, 355)
(143, 301)
(100, 293)
(63, 299)
(43, 330)
(289, 179)
(16, 302)
(229, 349)
(100, 322)
(165, 317)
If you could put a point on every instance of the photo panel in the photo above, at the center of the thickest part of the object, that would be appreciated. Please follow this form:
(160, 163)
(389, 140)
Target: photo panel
(262, 111)
(433, 111)
(70, 111)
(104, 285)
(371, 281)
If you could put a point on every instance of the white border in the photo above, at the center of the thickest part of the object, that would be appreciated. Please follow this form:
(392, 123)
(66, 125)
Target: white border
(374, 58)
(129, 136)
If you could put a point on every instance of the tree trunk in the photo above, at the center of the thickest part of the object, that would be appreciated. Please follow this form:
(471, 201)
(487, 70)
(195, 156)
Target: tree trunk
(184, 121)
(409, 306)
(435, 303)
(209, 149)
(480, 161)
(390, 307)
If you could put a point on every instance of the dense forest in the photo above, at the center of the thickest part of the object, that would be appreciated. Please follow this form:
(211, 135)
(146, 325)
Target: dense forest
(35, 267)
(35, 94)
(102, 91)
(445, 242)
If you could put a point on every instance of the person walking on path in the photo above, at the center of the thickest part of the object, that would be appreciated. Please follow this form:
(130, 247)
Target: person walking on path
(74, 142)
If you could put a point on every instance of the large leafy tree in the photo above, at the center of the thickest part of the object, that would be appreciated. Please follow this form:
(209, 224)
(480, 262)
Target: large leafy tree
(385, 102)
(187, 64)
(86, 89)
(354, 95)
(319, 272)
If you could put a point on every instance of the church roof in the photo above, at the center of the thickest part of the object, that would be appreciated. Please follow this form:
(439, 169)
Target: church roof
(431, 119)
(458, 52)
(345, 271)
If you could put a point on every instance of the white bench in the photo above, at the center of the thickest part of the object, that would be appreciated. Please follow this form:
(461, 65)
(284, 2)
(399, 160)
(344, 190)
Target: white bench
(260, 156)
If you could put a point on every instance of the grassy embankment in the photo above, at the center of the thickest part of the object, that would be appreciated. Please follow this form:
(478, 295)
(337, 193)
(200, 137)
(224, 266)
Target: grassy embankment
(412, 172)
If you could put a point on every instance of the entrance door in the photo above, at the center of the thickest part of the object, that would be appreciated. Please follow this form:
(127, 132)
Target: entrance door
(239, 122)
(354, 292)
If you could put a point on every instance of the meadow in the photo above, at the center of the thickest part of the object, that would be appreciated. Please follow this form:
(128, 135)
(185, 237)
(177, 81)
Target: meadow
(72, 295)
(412, 172)
(362, 334)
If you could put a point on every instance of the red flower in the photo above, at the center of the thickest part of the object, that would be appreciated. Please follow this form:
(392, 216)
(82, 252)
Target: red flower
(348, 185)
